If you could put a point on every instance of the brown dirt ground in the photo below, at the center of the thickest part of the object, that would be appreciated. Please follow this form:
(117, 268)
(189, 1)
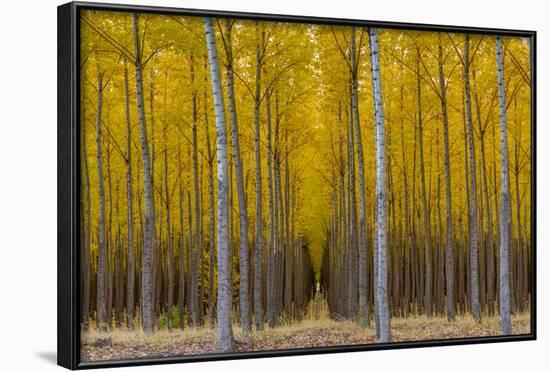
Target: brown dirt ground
(122, 344)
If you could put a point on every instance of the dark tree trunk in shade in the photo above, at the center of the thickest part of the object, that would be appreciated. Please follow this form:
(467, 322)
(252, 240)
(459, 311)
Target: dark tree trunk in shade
(131, 263)
(474, 225)
(505, 222)
(102, 244)
(244, 302)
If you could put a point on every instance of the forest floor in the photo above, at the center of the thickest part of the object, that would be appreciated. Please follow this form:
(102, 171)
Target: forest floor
(122, 344)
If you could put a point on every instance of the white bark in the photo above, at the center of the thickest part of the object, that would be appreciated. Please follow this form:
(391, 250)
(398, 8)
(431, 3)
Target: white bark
(225, 332)
(381, 281)
(148, 249)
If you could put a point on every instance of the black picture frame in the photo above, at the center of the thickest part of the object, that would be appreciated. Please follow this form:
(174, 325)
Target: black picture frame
(68, 183)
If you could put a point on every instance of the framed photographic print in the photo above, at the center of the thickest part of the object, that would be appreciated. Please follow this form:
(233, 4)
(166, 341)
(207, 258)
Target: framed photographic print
(235, 185)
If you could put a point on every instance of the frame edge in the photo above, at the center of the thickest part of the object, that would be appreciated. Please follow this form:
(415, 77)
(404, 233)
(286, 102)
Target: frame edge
(68, 339)
(66, 188)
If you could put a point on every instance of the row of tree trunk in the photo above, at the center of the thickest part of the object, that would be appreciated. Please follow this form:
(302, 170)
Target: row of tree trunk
(472, 263)
(155, 269)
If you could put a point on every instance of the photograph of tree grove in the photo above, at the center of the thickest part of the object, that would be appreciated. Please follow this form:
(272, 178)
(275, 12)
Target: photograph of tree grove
(258, 185)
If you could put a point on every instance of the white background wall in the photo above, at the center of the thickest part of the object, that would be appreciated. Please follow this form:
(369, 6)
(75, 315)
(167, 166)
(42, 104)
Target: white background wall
(28, 183)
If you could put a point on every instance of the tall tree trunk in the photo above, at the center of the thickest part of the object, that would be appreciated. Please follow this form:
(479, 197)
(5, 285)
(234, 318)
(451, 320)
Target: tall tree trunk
(190, 259)
(272, 218)
(118, 296)
(169, 252)
(343, 227)
(102, 244)
(466, 237)
(408, 234)
(520, 240)
(139, 252)
(195, 311)
(279, 212)
(394, 255)
(449, 255)
(474, 228)
(382, 208)
(352, 207)
(148, 249)
(288, 240)
(520, 244)
(363, 302)
(225, 333)
(110, 244)
(415, 217)
(181, 288)
(424, 196)
(505, 223)
(244, 301)
(258, 168)
(488, 216)
(376, 202)
(156, 236)
(495, 190)
(131, 266)
(212, 211)
(86, 227)
(201, 255)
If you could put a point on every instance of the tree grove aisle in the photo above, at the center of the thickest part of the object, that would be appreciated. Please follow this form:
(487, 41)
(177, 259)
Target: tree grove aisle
(254, 185)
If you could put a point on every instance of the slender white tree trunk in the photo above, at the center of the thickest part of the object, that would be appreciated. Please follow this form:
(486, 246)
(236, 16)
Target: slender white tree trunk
(225, 332)
(504, 199)
(148, 236)
(381, 282)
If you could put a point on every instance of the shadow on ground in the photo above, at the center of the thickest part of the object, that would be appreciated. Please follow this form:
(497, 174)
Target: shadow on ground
(48, 356)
